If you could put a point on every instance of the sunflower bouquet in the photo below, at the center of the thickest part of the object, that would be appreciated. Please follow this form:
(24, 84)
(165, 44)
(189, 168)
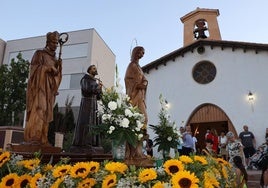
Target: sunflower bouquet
(185, 171)
(121, 122)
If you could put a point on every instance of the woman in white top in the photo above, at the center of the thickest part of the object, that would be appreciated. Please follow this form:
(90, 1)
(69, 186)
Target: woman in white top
(194, 143)
(222, 145)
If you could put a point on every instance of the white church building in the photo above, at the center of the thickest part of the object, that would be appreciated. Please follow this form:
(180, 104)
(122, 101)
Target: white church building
(210, 82)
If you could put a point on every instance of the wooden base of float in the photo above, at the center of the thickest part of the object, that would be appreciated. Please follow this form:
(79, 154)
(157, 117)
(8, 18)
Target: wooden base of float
(50, 154)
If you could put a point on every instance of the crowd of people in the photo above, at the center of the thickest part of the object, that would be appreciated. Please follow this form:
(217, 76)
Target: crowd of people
(240, 150)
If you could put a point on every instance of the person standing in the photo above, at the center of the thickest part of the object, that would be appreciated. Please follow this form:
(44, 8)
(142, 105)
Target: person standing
(182, 130)
(91, 91)
(208, 149)
(222, 145)
(234, 147)
(266, 133)
(187, 145)
(208, 134)
(43, 83)
(248, 140)
(194, 144)
(241, 173)
(215, 139)
(148, 145)
(264, 176)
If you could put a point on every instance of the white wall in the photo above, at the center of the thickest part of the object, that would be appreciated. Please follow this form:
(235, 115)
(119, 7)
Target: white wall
(237, 73)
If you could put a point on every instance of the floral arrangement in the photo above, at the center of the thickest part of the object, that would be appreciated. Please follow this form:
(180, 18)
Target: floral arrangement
(121, 122)
(167, 134)
(185, 171)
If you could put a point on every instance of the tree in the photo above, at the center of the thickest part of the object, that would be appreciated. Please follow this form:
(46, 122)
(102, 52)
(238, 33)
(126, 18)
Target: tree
(55, 124)
(13, 85)
(63, 123)
(4, 94)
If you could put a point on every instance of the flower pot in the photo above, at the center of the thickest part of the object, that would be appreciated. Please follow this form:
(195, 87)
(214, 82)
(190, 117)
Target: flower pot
(118, 151)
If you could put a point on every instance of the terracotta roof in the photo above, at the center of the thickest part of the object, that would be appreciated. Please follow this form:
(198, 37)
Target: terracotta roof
(212, 43)
(198, 10)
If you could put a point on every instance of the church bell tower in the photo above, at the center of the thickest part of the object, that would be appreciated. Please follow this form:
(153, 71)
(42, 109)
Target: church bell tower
(200, 24)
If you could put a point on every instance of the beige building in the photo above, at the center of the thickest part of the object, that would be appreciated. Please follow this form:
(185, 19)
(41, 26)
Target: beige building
(83, 48)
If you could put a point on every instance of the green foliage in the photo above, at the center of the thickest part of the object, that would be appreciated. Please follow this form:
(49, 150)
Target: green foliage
(106, 145)
(13, 85)
(68, 123)
(68, 139)
(55, 124)
(167, 135)
(63, 123)
(4, 94)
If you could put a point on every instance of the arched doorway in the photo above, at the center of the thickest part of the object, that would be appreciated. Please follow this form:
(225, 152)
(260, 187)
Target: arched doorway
(209, 116)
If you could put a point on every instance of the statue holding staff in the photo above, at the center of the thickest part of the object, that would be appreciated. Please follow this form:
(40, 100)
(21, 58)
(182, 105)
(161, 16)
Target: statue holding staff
(43, 84)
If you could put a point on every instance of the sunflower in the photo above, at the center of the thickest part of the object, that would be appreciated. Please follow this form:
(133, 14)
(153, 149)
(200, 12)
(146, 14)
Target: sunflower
(109, 181)
(47, 167)
(225, 167)
(94, 166)
(147, 175)
(57, 183)
(35, 178)
(61, 171)
(210, 180)
(185, 159)
(87, 183)
(29, 164)
(173, 166)
(184, 179)
(9, 180)
(201, 159)
(24, 180)
(215, 171)
(4, 157)
(116, 167)
(80, 170)
(224, 171)
(159, 184)
(222, 161)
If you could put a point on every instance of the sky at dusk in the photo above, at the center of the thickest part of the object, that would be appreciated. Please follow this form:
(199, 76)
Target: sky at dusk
(153, 24)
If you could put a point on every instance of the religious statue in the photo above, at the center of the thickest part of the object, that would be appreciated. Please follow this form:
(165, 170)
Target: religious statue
(136, 85)
(91, 92)
(43, 84)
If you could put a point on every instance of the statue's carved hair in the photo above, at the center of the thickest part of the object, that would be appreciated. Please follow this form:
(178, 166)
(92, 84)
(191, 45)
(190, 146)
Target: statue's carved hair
(135, 50)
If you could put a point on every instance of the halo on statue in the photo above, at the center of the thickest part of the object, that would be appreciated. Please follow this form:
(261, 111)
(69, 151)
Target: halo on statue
(131, 47)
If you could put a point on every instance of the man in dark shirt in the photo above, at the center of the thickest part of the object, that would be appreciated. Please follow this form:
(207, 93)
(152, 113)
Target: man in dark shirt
(248, 140)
